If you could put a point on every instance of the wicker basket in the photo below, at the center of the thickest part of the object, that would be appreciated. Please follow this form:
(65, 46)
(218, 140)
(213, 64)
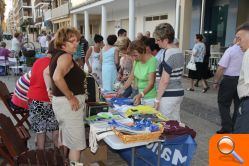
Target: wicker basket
(138, 137)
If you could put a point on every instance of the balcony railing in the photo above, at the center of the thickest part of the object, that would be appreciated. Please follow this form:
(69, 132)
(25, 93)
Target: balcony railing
(47, 15)
(42, 2)
(60, 11)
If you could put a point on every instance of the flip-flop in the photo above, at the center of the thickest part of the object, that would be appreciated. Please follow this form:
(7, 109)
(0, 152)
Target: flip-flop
(190, 89)
(205, 90)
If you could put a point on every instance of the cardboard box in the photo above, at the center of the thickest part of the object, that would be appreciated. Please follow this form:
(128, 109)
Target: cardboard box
(87, 157)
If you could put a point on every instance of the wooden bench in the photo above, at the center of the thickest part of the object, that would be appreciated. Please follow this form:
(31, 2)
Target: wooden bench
(16, 151)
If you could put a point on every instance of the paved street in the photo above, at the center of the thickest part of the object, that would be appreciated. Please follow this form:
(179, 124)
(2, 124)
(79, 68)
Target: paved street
(199, 111)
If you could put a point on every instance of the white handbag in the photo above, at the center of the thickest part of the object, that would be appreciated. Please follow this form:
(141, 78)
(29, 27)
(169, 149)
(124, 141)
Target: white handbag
(191, 64)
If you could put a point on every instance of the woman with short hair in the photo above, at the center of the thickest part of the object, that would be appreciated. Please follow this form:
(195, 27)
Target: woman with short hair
(170, 91)
(68, 92)
(198, 52)
(143, 74)
(92, 58)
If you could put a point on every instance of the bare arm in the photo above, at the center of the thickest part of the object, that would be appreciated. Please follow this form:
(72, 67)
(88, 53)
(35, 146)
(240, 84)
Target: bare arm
(163, 83)
(101, 57)
(116, 56)
(47, 78)
(217, 77)
(88, 54)
(48, 82)
(130, 79)
(64, 64)
(219, 73)
(151, 77)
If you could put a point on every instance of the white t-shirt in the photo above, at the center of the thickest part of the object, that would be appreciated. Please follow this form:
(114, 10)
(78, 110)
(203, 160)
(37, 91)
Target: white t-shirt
(42, 41)
(16, 45)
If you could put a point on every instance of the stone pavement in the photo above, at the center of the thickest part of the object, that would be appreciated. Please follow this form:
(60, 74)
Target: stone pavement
(199, 111)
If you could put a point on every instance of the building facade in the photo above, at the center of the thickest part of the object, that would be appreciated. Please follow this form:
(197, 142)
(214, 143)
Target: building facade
(23, 12)
(10, 22)
(220, 19)
(108, 16)
(40, 7)
(57, 15)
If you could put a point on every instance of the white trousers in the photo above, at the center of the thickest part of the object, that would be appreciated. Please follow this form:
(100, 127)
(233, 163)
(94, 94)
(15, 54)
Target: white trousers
(170, 107)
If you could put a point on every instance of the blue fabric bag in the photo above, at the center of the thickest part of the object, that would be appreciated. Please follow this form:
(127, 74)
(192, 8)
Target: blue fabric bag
(121, 101)
(175, 151)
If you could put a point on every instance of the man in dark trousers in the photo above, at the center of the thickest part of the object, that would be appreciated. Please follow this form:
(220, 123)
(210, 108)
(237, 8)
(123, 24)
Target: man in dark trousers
(229, 67)
(241, 125)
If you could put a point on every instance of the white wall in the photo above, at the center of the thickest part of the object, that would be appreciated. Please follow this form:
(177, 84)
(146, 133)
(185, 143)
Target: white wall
(160, 8)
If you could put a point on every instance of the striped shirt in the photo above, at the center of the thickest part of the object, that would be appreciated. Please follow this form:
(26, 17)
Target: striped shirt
(173, 64)
(19, 97)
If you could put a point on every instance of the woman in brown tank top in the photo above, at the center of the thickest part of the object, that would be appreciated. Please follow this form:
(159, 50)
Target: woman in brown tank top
(68, 92)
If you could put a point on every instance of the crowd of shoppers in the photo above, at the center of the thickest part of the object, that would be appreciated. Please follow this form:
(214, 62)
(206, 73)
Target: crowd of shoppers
(55, 92)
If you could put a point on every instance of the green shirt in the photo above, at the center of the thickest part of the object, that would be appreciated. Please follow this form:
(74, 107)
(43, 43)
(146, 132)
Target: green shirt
(141, 74)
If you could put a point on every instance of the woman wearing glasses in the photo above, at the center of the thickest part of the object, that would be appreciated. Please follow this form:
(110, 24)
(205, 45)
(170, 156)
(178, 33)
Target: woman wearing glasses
(68, 92)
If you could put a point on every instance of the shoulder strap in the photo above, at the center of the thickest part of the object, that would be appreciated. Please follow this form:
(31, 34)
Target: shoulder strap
(164, 53)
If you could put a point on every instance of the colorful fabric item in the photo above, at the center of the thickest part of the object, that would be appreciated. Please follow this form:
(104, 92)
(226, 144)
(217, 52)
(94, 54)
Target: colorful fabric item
(174, 128)
(19, 97)
(145, 110)
(141, 73)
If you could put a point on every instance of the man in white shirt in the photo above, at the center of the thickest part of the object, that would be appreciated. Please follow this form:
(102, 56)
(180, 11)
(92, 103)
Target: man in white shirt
(43, 42)
(241, 124)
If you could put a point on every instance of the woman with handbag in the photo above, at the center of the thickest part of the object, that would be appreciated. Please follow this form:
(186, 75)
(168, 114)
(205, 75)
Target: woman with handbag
(195, 66)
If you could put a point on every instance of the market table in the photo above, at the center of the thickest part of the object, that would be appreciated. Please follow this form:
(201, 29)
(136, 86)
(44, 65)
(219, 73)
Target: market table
(115, 143)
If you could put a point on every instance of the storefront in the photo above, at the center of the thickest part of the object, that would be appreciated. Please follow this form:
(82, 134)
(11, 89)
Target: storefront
(220, 20)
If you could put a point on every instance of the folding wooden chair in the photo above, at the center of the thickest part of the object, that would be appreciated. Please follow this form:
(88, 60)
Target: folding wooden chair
(18, 153)
(24, 136)
(20, 116)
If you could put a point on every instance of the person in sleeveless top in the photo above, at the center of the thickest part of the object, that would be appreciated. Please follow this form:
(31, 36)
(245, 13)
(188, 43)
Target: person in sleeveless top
(68, 101)
(126, 62)
(110, 61)
(92, 58)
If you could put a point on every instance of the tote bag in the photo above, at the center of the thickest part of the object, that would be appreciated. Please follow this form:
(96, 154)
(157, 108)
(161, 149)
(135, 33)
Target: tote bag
(191, 64)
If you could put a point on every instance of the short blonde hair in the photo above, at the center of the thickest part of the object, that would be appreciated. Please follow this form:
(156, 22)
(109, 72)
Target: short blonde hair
(123, 43)
(164, 31)
(63, 35)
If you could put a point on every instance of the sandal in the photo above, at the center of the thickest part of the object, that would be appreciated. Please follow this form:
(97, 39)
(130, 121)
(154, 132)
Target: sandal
(205, 90)
(190, 89)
